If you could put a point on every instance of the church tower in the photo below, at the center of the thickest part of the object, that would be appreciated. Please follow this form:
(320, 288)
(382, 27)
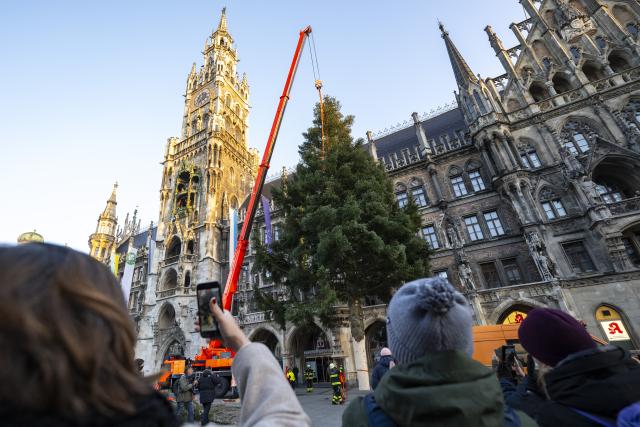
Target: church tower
(207, 171)
(102, 242)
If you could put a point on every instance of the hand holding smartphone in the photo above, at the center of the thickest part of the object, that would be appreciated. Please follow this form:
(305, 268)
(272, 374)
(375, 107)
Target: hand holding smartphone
(208, 325)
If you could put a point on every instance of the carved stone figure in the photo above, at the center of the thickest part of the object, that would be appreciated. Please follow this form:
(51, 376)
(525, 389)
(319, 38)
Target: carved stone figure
(590, 190)
(466, 277)
(546, 267)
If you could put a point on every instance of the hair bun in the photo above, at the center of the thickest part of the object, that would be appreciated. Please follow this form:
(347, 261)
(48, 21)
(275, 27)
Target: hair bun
(436, 295)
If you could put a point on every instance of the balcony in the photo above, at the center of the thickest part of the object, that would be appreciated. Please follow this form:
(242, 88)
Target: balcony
(171, 260)
(178, 290)
(624, 206)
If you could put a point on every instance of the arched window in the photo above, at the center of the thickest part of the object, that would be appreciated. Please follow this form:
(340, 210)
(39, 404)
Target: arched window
(538, 91)
(457, 182)
(577, 137)
(529, 156)
(618, 61)
(169, 280)
(614, 326)
(632, 28)
(190, 246)
(167, 317)
(561, 83)
(187, 279)
(401, 195)
(174, 247)
(609, 192)
(546, 63)
(418, 194)
(593, 71)
(552, 204)
(601, 42)
(469, 105)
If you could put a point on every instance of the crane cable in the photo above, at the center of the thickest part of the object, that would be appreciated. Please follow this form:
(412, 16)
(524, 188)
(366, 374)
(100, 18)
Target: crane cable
(318, 83)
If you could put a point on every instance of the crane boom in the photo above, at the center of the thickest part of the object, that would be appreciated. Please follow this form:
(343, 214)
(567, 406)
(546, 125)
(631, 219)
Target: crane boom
(256, 192)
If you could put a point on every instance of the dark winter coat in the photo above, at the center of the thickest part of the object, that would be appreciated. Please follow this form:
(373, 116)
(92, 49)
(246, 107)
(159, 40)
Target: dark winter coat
(379, 370)
(207, 386)
(525, 396)
(442, 389)
(599, 381)
(151, 411)
(185, 389)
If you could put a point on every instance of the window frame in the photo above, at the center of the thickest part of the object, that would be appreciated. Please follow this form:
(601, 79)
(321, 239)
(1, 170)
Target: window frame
(477, 179)
(425, 199)
(458, 185)
(431, 238)
(402, 201)
(496, 272)
(516, 264)
(557, 212)
(570, 260)
(477, 228)
(491, 224)
(439, 273)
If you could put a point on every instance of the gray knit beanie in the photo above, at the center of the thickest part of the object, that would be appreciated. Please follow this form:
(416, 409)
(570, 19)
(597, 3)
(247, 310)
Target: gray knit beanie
(426, 316)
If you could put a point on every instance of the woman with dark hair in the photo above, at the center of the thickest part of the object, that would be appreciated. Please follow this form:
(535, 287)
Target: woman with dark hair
(67, 344)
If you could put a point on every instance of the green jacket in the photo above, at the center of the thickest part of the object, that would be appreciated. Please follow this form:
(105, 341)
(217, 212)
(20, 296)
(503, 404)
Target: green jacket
(440, 389)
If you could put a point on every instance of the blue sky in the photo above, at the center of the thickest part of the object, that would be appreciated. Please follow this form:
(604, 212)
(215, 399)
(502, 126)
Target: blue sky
(90, 91)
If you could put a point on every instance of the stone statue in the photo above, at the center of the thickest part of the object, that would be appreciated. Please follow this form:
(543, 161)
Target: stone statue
(545, 265)
(572, 164)
(466, 277)
(590, 190)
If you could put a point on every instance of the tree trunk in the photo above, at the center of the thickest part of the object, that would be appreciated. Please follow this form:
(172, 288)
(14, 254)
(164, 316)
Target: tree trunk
(358, 348)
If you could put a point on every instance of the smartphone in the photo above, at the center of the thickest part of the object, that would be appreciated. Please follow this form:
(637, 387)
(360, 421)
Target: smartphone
(208, 325)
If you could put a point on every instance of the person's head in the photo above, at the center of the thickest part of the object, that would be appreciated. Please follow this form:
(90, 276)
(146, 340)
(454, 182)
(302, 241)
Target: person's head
(332, 365)
(550, 335)
(385, 352)
(426, 316)
(66, 333)
(189, 370)
(140, 364)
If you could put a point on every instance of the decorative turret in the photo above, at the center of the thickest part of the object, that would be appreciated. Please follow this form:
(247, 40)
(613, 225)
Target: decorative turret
(461, 69)
(102, 242)
(472, 96)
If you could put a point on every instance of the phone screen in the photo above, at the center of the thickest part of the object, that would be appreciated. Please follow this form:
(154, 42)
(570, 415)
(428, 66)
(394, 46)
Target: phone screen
(206, 291)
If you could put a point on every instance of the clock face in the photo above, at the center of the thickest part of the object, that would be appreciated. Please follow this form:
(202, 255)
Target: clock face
(202, 99)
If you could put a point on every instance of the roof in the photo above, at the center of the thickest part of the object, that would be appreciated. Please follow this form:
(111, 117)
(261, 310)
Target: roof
(139, 240)
(266, 191)
(30, 236)
(448, 123)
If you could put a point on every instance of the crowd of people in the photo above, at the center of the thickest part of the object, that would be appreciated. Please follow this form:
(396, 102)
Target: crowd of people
(67, 345)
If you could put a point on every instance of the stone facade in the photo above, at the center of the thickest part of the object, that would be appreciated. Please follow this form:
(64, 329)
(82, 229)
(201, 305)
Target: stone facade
(527, 184)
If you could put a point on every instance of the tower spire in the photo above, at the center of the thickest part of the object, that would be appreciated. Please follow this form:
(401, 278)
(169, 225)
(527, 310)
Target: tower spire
(110, 209)
(461, 69)
(222, 25)
(103, 241)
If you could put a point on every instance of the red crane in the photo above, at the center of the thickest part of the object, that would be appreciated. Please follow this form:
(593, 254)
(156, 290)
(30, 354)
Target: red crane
(243, 238)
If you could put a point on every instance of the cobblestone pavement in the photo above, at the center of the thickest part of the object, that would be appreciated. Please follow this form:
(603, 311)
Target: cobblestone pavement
(317, 405)
(319, 408)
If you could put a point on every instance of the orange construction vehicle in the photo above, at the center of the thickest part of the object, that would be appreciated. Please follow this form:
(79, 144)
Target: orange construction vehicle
(486, 339)
(215, 357)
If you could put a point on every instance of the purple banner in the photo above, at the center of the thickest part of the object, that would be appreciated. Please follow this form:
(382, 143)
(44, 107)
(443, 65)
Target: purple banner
(267, 222)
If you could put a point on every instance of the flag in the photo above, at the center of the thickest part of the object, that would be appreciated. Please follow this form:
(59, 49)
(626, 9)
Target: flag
(114, 259)
(127, 277)
(267, 222)
(233, 233)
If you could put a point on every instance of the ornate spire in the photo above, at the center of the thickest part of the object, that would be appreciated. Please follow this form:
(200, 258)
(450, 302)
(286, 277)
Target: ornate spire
(110, 209)
(222, 25)
(461, 69)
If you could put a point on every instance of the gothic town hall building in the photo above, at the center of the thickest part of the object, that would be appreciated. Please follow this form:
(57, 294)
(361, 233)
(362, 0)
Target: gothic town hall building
(528, 188)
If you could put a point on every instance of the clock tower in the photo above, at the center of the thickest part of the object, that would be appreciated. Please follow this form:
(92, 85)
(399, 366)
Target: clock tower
(207, 171)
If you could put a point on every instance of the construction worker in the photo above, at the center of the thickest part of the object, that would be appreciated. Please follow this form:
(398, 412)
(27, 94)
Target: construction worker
(292, 378)
(308, 377)
(334, 378)
(343, 384)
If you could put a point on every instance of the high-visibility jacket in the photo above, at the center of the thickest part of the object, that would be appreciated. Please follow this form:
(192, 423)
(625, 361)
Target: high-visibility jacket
(334, 376)
(308, 374)
(291, 376)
